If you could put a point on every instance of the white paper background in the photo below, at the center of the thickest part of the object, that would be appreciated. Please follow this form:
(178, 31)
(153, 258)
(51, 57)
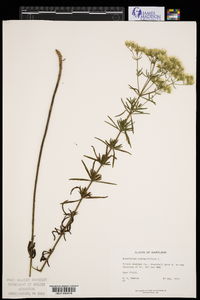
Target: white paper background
(153, 204)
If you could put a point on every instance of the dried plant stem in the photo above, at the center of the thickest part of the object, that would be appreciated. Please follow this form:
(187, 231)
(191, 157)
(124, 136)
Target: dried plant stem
(40, 153)
(169, 71)
(76, 209)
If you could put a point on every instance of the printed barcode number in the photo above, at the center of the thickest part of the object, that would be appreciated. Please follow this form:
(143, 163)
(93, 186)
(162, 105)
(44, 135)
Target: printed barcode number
(58, 289)
(64, 289)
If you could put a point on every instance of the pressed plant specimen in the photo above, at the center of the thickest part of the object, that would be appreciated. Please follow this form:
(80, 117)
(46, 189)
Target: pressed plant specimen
(164, 72)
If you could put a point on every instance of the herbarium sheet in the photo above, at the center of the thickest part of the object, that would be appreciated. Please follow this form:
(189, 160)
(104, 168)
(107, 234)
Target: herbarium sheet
(99, 159)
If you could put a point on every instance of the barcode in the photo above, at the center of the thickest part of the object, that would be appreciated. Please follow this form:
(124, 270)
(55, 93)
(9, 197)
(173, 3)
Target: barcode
(66, 289)
(63, 289)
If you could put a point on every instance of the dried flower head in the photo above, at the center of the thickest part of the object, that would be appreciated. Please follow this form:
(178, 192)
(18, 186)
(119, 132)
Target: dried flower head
(169, 66)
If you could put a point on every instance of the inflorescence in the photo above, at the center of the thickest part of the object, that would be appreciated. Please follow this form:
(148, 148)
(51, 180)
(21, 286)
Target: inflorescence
(168, 66)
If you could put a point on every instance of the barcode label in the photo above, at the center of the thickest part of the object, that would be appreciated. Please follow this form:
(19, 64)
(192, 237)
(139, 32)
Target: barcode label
(61, 289)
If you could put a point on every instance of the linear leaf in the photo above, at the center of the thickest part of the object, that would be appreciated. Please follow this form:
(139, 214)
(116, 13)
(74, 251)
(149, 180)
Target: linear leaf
(127, 139)
(86, 168)
(141, 112)
(121, 113)
(100, 140)
(111, 124)
(90, 157)
(124, 151)
(106, 182)
(67, 201)
(148, 99)
(135, 90)
(112, 121)
(81, 179)
(96, 197)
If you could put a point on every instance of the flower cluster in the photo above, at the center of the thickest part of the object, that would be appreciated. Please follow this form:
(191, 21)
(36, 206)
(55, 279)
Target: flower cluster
(161, 84)
(153, 53)
(170, 66)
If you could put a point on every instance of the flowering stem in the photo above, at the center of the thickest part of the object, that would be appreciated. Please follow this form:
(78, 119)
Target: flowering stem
(169, 66)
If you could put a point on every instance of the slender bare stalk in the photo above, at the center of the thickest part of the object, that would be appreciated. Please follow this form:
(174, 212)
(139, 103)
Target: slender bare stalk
(31, 246)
